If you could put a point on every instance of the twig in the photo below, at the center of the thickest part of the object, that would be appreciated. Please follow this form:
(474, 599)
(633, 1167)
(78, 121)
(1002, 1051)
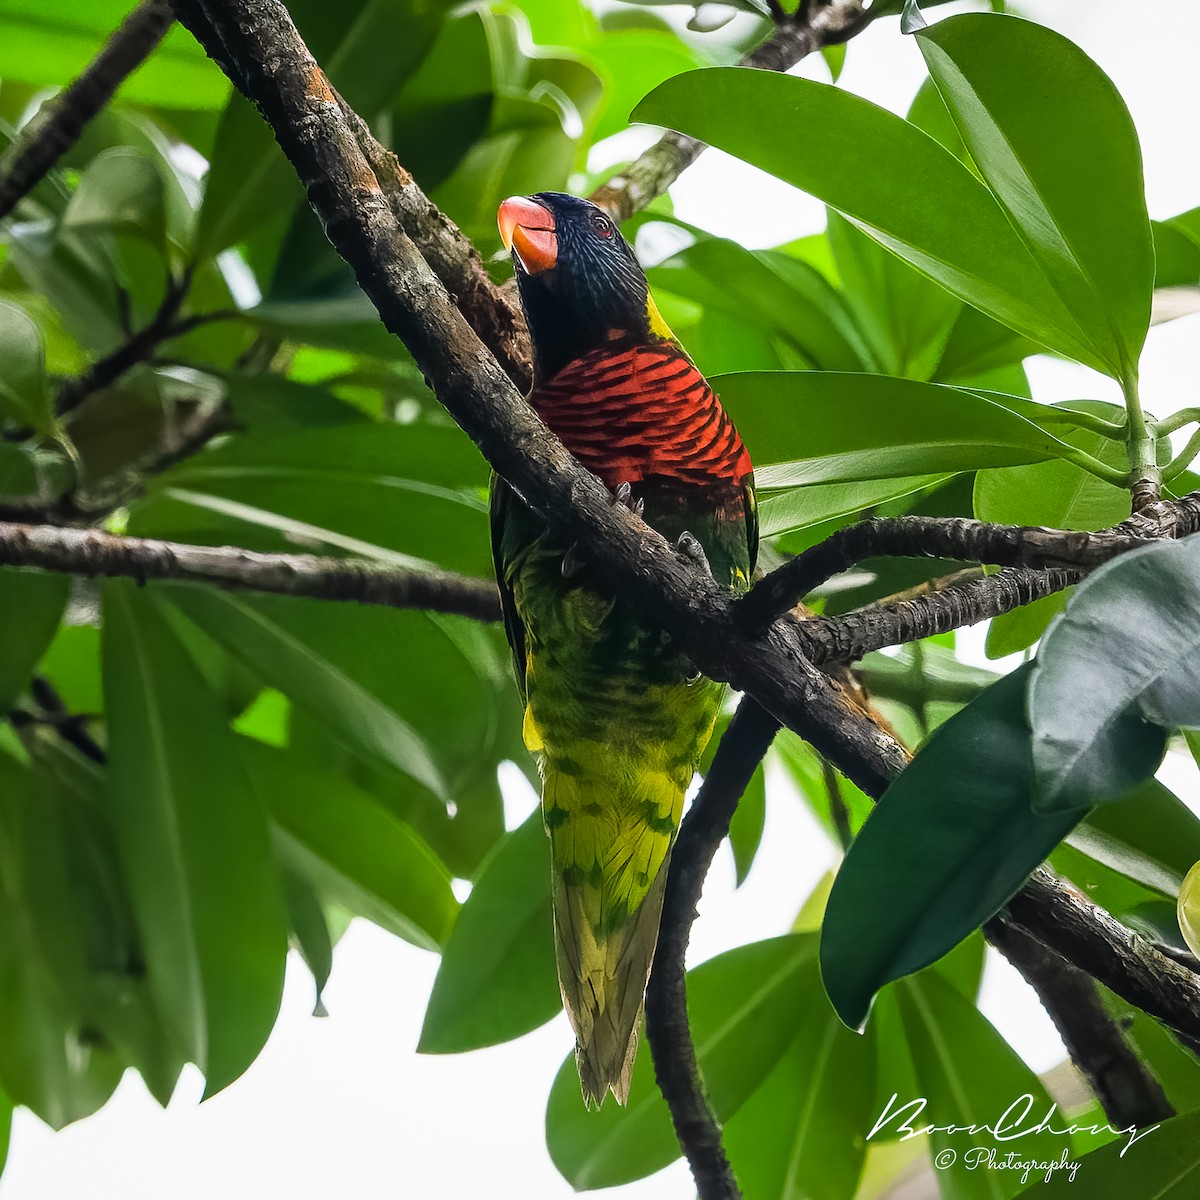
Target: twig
(706, 825)
(925, 537)
(60, 121)
(90, 552)
(1129, 1093)
(658, 167)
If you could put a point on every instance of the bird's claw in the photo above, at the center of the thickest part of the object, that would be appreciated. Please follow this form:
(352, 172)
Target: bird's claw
(689, 546)
(572, 562)
(623, 495)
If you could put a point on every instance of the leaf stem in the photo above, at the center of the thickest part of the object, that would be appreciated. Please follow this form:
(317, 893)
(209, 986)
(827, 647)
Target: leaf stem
(1183, 459)
(1084, 420)
(1144, 479)
(1093, 466)
(1185, 416)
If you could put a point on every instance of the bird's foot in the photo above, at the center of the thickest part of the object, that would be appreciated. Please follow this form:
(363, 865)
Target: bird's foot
(624, 495)
(689, 546)
(572, 562)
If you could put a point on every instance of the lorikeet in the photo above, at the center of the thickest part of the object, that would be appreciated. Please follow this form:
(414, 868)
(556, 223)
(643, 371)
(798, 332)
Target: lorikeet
(615, 713)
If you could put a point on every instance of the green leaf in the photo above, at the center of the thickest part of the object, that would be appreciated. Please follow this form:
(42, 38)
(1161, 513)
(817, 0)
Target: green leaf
(121, 192)
(51, 45)
(948, 844)
(352, 849)
(497, 979)
(24, 394)
(815, 504)
(888, 177)
(33, 604)
(1049, 133)
(309, 932)
(744, 1008)
(1150, 836)
(847, 427)
(1114, 673)
(969, 1075)
(6, 1111)
(746, 828)
(800, 1135)
(1161, 1165)
(256, 632)
(49, 1060)
(195, 844)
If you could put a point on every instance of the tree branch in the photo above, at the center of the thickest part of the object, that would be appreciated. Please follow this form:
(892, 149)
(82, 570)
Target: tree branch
(817, 25)
(90, 552)
(1127, 1090)
(925, 537)
(60, 121)
(706, 825)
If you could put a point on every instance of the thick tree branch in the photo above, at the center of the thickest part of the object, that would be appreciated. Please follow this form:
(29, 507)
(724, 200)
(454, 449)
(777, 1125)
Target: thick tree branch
(819, 24)
(60, 121)
(1127, 1090)
(706, 825)
(90, 552)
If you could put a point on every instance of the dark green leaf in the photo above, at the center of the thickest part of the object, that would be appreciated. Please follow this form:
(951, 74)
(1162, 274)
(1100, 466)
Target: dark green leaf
(356, 852)
(1049, 133)
(309, 932)
(948, 844)
(1114, 673)
(887, 176)
(744, 1008)
(814, 504)
(32, 604)
(746, 828)
(195, 843)
(498, 980)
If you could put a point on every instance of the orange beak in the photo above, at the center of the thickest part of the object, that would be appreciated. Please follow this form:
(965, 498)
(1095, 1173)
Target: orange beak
(527, 230)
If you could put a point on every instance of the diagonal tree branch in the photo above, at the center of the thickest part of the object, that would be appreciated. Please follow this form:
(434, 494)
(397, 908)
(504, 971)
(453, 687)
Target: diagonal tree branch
(59, 123)
(90, 552)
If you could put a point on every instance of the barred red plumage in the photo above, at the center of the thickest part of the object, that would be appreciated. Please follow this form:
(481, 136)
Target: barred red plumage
(634, 412)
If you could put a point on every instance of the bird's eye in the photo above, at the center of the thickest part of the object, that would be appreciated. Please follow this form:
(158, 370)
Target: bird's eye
(602, 225)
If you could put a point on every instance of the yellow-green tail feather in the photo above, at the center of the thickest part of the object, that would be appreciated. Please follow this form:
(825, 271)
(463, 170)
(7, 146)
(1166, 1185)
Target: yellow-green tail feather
(611, 837)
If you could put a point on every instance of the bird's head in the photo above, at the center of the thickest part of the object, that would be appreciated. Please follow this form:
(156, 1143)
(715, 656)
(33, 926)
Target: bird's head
(580, 283)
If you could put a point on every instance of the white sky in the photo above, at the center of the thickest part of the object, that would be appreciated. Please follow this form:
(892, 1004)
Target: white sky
(344, 1107)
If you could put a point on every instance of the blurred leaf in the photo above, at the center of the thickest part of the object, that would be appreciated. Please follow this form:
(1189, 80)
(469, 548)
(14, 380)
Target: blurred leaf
(1150, 836)
(1049, 133)
(947, 845)
(1114, 673)
(1018, 630)
(353, 850)
(896, 186)
(194, 840)
(631, 63)
(121, 192)
(6, 1110)
(1164, 1167)
(800, 1135)
(846, 427)
(18, 476)
(51, 45)
(257, 632)
(32, 604)
(744, 1007)
(24, 393)
(497, 979)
